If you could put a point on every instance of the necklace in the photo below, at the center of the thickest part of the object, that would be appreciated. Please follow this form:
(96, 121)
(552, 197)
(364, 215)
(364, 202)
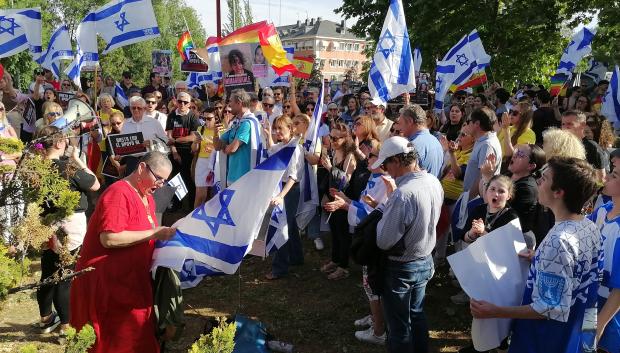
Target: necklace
(145, 204)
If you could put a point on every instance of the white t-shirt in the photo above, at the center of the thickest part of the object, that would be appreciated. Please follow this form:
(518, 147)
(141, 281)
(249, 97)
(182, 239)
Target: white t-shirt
(151, 129)
(161, 117)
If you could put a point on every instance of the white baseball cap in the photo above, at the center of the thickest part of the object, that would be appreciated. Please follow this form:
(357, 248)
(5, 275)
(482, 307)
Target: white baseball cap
(391, 147)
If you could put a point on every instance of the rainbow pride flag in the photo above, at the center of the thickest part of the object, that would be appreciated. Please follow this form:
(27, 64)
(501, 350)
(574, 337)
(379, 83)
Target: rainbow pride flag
(266, 35)
(477, 79)
(184, 45)
(557, 82)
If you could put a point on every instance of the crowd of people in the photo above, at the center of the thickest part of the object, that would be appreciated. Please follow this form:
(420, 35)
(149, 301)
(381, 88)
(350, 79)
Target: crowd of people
(398, 191)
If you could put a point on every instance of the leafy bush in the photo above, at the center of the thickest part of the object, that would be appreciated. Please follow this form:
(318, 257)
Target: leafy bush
(29, 348)
(80, 342)
(10, 271)
(220, 340)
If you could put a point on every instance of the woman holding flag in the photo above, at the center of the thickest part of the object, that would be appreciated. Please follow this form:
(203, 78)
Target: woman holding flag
(285, 131)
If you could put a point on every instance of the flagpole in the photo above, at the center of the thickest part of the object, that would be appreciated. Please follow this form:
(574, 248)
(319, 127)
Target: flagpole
(187, 28)
(218, 17)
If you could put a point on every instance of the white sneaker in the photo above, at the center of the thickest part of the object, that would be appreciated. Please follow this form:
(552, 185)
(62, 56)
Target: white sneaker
(370, 337)
(363, 322)
(318, 244)
(460, 299)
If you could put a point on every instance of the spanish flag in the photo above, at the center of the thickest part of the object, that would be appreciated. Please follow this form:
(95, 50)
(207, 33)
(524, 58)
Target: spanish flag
(266, 35)
(184, 45)
(304, 66)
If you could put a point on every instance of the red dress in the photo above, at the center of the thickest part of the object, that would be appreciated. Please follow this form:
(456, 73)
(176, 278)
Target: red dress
(116, 298)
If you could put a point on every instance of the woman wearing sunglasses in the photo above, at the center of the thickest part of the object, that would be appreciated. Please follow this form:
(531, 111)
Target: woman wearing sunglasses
(202, 149)
(52, 111)
(516, 128)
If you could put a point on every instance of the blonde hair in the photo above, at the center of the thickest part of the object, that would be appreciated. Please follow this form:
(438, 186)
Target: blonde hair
(369, 127)
(561, 143)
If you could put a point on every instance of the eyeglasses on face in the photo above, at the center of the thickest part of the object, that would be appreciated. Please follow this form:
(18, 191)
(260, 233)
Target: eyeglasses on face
(53, 113)
(151, 102)
(137, 108)
(267, 105)
(286, 107)
(182, 102)
(335, 138)
(228, 111)
(158, 179)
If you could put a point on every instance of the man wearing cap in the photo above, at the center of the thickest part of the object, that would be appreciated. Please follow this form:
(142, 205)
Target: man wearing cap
(407, 233)
(412, 124)
(377, 112)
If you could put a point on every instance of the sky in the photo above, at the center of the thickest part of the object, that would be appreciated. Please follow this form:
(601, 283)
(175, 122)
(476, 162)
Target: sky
(291, 11)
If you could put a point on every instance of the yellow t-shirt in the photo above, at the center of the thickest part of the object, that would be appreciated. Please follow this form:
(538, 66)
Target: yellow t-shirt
(206, 144)
(453, 187)
(528, 136)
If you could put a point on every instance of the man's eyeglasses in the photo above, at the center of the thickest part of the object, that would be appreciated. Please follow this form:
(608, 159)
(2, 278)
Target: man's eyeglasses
(151, 102)
(267, 105)
(66, 85)
(182, 102)
(158, 179)
(136, 108)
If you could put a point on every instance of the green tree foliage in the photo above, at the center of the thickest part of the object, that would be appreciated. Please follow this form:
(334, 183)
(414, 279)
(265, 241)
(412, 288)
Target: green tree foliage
(523, 37)
(171, 18)
(239, 15)
(607, 45)
(11, 272)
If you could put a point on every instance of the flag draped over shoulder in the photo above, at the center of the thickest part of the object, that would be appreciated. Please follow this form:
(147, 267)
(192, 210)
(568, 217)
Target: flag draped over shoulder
(392, 71)
(579, 46)
(308, 187)
(124, 22)
(455, 68)
(611, 102)
(87, 53)
(213, 239)
(59, 48)
(20, 29)
(266, 35)
(184, 44)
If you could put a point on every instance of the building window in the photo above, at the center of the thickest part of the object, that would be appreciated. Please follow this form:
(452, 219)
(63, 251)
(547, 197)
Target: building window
(349, 46)
(356, 47)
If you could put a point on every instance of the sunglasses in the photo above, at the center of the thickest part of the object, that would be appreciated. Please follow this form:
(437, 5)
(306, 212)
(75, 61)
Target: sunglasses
(309, 109)
(229, 111)
(158, 179)
(287, 107)
(183, 102)
(335, 138)
(116, 123)
(54, 114)
(151, 102)
(66, 85)
(268, 105)
(219, 107)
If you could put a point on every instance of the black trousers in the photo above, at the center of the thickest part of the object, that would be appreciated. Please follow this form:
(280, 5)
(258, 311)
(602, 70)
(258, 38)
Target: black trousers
(185, 168)
(341, 238)
(56, 294)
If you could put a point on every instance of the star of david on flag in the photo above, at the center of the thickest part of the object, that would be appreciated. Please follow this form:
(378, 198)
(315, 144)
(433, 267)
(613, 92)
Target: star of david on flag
(59, 48)
(579, 46)
(124, 22)
(232, 218)
(392, 71)
(20, 29)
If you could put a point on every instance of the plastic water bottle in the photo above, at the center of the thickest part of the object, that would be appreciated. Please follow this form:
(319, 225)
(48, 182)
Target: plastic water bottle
(282, 347)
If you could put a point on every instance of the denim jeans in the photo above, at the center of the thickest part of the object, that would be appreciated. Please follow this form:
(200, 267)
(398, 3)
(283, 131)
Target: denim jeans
(291, 253)
(403, 300)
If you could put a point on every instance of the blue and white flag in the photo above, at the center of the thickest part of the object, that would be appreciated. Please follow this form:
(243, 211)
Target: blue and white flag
(477, 49)
(124, 22)
(611, 102)
(197, 79)
(59, 48)
(20, 29)
(596, 70)
(272, 79)
(375, 188)
(417, 60)
(456, 67)
(392, 71)
(579, 46)
(214, 238)
(121, 97)
(87, 53)
(308, 187)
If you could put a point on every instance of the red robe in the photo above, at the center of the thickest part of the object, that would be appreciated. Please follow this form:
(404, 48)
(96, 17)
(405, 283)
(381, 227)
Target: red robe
(116, 298)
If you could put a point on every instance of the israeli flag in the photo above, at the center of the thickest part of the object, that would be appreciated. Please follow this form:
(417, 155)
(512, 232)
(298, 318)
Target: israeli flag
(214, 238)
(392, 71)
(579, 46)
(417, 60)
(457, 66)
(375, 188)
(197, 79)
(477, 49)
(20, 29)
(59, 48)
(121, 97)
(308, 187)
(596, 70)
(277, 232)
(213, 59)
(611, 102)
(87, 53)
(124, 22)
